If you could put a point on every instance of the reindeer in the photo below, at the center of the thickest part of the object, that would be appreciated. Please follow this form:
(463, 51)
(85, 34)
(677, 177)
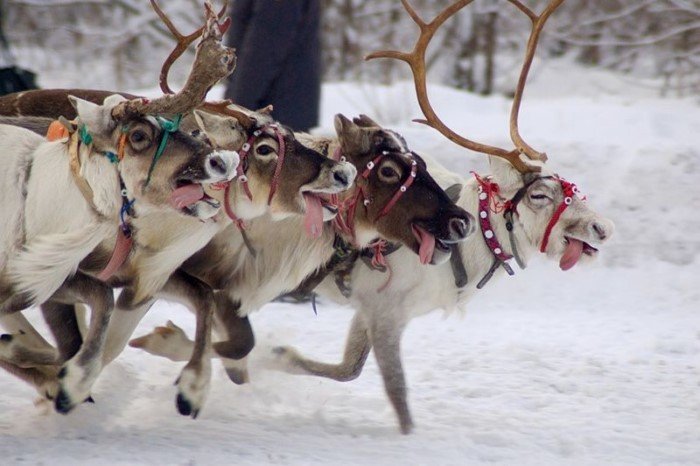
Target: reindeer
(522, 208)
(285, 256)
(277, 174)
(108, 177)
(420, 217)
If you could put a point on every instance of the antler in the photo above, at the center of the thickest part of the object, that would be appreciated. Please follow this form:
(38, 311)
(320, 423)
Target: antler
(223, 108)
(183, 41)
(213, 61)
(416, 60)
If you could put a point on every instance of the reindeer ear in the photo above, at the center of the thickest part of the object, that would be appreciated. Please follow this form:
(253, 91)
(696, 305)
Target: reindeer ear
(223, 131)
(97, 118)
(113, 100)
(504, 174)
(355, 141)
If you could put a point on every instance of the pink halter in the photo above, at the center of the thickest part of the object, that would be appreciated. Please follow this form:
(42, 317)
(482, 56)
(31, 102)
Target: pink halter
(243, 167)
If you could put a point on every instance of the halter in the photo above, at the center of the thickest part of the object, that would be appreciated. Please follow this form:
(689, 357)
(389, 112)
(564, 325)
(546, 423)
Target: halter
(379, 248)
(487, 189)
(243, 168)
(347, 225)
(60, 129)
(168, 127)
(570, 190)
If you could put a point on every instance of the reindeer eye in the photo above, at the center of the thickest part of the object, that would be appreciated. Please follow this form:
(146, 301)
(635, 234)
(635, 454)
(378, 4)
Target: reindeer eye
(389, 172)
(539, 197)
(138, 137)
(264, 150)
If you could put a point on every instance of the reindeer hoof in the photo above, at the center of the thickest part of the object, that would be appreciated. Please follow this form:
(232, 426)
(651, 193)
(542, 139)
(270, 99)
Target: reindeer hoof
(237, 376)
(192, 390)
(183, 405)
(62, 402)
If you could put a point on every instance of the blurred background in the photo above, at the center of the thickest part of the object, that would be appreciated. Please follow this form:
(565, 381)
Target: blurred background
(120, 44)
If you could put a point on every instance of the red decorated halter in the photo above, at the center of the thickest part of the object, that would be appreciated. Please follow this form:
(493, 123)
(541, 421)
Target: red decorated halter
(243, 167)
(488, 203)
(569, 190)
(347, 225)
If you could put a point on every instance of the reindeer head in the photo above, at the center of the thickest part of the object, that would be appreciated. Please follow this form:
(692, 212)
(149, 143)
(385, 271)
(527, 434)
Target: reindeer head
(283, 176)
(554, 218)
(544, 204)
(401, 201)
(174, 177)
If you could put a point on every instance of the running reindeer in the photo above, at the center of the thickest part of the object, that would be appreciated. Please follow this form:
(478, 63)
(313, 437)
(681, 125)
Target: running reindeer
(117, 176)
(522, 208)
(394, 199)
(276, 174)
(422, 217)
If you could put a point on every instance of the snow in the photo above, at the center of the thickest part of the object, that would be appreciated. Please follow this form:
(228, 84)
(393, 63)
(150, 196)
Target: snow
(600, 364)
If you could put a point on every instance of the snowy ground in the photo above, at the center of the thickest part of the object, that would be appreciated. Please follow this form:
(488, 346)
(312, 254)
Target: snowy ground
(597, 365)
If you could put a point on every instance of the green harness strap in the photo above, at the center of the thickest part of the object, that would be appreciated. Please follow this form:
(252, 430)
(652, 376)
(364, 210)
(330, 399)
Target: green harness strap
(168, 126)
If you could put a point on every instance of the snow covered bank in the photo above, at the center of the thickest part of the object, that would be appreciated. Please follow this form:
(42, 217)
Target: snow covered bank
(597, 365)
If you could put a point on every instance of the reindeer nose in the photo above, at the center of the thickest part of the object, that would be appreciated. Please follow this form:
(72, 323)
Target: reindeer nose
(216, 163)
(602, 230)
(221, 165)
(344, 174)
(459, 228)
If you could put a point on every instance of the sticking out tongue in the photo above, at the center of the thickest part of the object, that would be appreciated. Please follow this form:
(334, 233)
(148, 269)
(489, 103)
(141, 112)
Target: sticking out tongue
(427, 244)
(186, 195)
(313, 218)
(572, 254)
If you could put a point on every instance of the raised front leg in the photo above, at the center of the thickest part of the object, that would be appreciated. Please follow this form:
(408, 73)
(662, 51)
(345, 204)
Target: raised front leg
(78, 374)
(357, 349)
(193, 382)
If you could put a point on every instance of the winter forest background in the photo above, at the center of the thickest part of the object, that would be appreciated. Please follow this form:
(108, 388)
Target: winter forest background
(655, 42)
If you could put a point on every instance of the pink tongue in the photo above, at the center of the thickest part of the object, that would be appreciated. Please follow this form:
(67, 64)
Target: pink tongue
(313, 219)
(571, 255)
(427, 244)
(186, 196)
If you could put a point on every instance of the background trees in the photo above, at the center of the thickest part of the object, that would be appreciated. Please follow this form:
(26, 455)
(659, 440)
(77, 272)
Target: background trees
(120, 43)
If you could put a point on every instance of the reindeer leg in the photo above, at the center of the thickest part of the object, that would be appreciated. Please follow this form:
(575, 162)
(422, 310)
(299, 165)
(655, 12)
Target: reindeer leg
(77, 376)
(193, 382)
(42, 378)
(385, 336)
(124, 321)
(63, 322)
(357, 349)
(17, 323)
(239, 335)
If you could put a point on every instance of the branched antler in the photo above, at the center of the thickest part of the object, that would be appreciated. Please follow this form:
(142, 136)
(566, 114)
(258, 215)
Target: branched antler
(223, 108)
(416, 60)
(213, 61)
(183, 41)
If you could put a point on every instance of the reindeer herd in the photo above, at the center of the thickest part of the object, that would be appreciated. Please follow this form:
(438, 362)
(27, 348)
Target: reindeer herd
(223, 209)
